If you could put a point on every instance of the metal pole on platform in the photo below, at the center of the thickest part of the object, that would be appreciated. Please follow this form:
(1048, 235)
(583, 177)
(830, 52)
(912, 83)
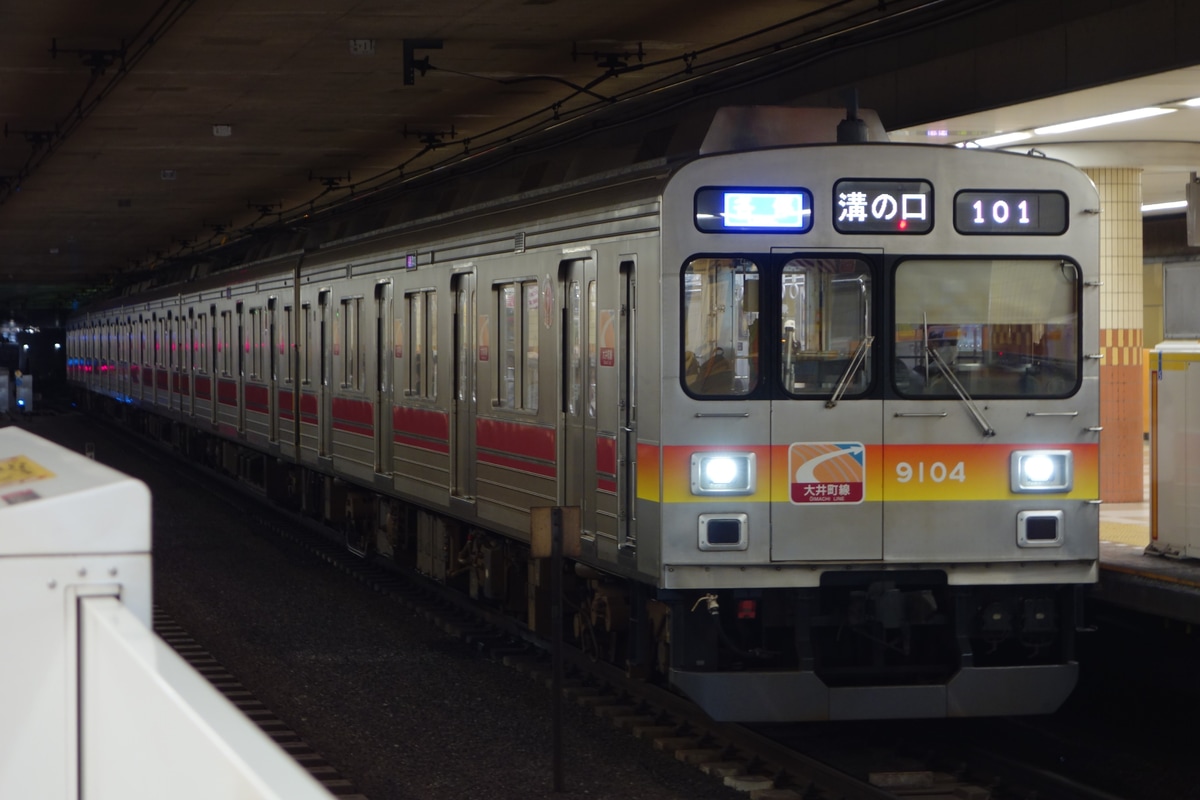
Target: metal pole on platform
(556, 616)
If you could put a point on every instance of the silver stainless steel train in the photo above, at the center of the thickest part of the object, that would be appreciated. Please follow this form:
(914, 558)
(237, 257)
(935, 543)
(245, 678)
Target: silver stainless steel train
(829, 412)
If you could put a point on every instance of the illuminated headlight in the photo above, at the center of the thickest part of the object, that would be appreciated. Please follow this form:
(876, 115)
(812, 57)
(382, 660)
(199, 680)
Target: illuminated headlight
(722, 473)
(1041, 471)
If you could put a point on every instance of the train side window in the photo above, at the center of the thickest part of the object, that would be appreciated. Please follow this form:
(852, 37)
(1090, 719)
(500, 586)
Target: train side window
(352, 371)
(592, 348)
(825, 313)
(719, 357)
(516, 312)
(225, 344)
(1003, 328)
(421, 341)
(306, 342)
(284, 346)
(255, 344)
(530, 379)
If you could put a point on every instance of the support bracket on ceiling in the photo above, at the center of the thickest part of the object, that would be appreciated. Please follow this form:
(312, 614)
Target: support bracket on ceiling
(411, 63)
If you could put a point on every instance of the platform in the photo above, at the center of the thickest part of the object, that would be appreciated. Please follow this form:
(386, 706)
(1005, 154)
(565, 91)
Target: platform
(1151, 584)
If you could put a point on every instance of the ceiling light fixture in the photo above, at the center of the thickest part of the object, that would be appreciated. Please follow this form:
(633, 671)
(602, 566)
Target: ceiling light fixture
(1107, 119)
(1171, 206)
(1195, 101)
(1003, 138)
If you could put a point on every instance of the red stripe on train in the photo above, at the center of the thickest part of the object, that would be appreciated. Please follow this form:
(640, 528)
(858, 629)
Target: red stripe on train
(516, 445)
(354, 416)
(425, 428)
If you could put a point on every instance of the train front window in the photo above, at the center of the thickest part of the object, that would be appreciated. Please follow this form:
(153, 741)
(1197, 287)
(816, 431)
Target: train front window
(1003, 328)
(825, 318)
(720, 326)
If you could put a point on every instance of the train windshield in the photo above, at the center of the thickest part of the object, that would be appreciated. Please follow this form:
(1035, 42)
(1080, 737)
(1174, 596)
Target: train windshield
(1003, 328)
(826, 313)
(823, 318)
(720, 322)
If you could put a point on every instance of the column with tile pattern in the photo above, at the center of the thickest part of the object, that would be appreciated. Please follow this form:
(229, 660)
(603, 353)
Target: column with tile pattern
(1120, 333)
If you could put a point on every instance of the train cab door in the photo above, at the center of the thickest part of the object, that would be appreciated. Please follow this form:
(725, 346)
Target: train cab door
(579, 402)
(325, 357)
(382, 399)
(462, 404)
(824, 425)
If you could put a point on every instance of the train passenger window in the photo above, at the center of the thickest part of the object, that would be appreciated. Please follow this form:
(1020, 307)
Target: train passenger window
(720, 326)
(529, 379)
(575, 362)
(285, 346)
(517, 316)
(825, 316)
(225, 344)
(255, 344)
(1003, 328)
(352, 369)
(592, 334)
(306, 350)
(421, 352)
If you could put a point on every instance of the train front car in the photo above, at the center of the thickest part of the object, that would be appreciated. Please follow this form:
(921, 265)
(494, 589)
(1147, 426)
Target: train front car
(877, 461)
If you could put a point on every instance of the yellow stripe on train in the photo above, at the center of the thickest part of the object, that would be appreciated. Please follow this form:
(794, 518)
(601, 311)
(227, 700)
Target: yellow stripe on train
(892, 473)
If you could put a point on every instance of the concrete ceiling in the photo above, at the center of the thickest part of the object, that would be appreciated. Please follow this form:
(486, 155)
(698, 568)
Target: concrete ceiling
(148, 130)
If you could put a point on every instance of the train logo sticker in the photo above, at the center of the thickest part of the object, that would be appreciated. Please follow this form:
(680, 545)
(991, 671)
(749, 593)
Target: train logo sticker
(827, 472)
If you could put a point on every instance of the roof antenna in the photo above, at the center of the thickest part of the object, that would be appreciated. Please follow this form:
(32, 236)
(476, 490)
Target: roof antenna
(852, 130)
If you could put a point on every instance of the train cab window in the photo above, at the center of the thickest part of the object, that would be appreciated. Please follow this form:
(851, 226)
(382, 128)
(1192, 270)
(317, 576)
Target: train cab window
(720, 326)
(825, 313)
(1001, 328)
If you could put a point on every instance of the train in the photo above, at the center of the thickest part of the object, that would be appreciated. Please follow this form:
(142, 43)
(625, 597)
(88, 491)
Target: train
(826, 412)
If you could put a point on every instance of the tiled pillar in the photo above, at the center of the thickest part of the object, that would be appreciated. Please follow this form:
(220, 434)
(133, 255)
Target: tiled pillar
(1120, 333)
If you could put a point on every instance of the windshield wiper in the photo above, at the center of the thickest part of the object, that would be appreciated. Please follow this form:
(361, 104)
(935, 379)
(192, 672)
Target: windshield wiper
(860, 355)
(952, 379)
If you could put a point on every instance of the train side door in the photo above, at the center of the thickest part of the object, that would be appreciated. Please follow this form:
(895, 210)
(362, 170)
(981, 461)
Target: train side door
(462, 426)
(383, 377)
(240, 374)
(823, 432)
(626, 408)
(579, 402)
(272, 375)
(324, 395)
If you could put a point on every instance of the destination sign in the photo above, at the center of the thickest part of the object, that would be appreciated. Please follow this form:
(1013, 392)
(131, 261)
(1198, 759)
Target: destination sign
(737, 210)
(1029, 213)
(879, 206)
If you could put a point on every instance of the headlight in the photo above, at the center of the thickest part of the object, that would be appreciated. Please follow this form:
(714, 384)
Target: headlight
(1041, 471)
(723, 473)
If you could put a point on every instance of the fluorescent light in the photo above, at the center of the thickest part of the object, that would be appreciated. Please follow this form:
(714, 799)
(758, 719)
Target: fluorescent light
(1165, 206)
(1003, 138)
(1195, 101)
(1107, 119)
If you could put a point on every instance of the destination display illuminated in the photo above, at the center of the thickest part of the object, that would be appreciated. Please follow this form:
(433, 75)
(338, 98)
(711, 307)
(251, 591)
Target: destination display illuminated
(730, 210)
(1010, 212)
(877, 206)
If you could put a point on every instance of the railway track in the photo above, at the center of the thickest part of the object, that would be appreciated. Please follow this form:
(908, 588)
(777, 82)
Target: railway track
(267, 721)
(765, 763)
